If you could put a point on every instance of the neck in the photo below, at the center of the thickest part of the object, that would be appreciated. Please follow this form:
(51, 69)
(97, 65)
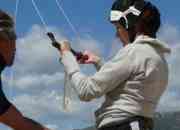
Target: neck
(125, 44)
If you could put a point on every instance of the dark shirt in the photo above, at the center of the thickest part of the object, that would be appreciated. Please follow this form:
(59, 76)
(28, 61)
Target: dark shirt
(2, 66)
(2, 63)
(4, 103)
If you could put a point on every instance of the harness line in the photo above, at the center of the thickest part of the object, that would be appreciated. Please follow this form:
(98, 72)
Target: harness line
(39, 14)
(67, 18)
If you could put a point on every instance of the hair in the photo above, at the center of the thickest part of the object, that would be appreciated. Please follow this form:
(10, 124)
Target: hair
(149, 20)
(5, 19)
(6, 23)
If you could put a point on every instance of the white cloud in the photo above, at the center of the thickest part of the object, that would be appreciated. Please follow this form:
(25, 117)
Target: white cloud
(40, 105)
(116, 45)
(170, 100)
(39, 78)
(170, 34)
(35, 54)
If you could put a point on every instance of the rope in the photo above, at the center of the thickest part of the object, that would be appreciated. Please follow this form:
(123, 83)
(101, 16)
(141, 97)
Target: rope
(39, 14)
(16, 11)
(67, 18)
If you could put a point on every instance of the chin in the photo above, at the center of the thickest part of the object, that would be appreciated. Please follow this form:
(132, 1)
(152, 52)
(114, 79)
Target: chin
(10, 63)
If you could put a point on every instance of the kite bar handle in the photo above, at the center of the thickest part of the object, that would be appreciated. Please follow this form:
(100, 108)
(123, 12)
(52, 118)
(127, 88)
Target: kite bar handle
(79, 55)
(54, 41)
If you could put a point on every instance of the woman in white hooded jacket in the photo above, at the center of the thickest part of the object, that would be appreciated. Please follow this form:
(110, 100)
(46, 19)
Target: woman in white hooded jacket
(134, 80)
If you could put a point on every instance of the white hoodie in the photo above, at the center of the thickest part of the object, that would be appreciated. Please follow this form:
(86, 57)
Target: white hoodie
(132, 82)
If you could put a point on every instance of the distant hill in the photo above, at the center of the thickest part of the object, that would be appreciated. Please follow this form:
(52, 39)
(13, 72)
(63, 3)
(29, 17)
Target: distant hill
(168, 121)
(165, 121)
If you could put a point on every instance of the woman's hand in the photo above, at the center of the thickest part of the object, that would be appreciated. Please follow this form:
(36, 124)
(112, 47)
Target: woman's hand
(65, 46)
(92, 58)
(87, 58)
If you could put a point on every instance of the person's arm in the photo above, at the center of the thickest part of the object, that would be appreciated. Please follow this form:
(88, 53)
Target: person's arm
(92, 59)
(106, 79)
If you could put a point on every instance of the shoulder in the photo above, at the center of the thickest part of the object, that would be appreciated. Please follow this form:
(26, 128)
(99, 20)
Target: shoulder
(125, 51)
(132, 50)
(142, 50)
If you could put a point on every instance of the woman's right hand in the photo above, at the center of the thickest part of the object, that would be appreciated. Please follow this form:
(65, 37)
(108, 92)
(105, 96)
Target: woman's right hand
(92, 58)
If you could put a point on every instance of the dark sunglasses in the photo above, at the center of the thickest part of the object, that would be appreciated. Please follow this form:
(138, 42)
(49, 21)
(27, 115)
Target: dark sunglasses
(8, 34)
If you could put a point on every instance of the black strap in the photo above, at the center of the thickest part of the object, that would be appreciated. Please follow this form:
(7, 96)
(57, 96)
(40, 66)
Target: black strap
(143, 122)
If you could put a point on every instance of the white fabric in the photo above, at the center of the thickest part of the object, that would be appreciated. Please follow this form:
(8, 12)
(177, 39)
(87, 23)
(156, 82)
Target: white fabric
(135, 125)
(133, 10)
(66, 98)
(116, 15)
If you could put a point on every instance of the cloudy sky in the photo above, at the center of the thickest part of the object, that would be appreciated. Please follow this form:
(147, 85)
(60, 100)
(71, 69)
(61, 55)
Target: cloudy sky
(35, 82)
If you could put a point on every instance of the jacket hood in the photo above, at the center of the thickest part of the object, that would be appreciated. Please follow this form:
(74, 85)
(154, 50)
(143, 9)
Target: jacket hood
(163, 47)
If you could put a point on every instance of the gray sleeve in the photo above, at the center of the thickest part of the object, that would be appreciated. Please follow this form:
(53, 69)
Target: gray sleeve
(106, 79)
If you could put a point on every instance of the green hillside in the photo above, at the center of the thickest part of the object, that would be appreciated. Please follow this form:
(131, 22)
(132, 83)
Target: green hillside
(165, 121)
(168, 121)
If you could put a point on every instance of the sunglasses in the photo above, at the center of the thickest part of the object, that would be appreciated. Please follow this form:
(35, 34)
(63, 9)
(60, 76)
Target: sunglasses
(8, 33)
(7, 29)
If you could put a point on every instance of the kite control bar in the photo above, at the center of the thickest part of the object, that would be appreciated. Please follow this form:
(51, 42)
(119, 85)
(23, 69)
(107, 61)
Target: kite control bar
(79, 55)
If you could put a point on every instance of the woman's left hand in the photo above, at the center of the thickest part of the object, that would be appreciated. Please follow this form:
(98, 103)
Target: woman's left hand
(65, 46)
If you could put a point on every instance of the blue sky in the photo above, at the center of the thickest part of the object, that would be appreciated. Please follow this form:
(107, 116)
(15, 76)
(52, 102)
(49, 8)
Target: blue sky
(39, 77)
(87, 16)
